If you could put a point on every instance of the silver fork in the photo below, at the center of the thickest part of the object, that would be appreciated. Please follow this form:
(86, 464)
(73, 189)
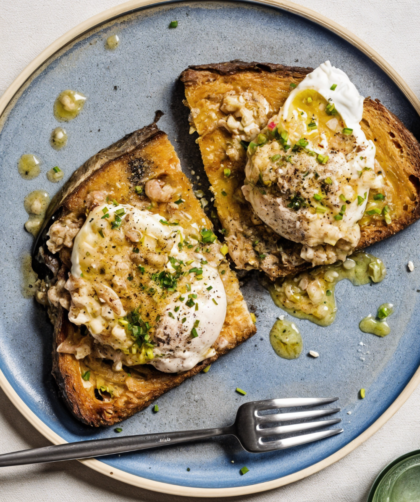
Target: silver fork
(256, 432)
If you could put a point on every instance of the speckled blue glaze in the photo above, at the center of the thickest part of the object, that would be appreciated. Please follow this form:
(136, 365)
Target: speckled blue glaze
(124, 88)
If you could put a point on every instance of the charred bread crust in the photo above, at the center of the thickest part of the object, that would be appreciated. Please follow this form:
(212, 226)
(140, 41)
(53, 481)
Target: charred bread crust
(145, 383)
(189, 76)
(378, 123)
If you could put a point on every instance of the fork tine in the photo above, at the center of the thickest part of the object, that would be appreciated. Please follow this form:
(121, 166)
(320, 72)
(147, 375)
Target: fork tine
(293, 402)
(287, 429)
(297, 415)
(282, 444)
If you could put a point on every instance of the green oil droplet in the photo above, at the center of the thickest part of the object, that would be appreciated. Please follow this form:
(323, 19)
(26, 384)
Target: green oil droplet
(112, 42)
(36, 204)
(29, 166)
(286, 339)
(371, 325)
(55, 176)
(310, 295)
(68, 105)
(58, 138)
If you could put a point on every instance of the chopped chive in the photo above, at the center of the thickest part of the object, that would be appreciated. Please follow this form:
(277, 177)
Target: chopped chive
(276, 157)
(347, 131)
(338, 217)
(136, 250)
(206, 369)
(114, 202)
(120, 212)
(105, 210)
(56, 169)
(179, 201)
(292, 85)
(183, 320)
(188, 286)
(141, 268)
(190, 303)
(343, 209)
(224, 193)
(155, 408)
(86, 375)
(329, 292)
(214, 301)
(240, 391)
(118, 429)
(362, 393)
(177, 308)
(244, 470)
(171, 315)
(317, 197)
(343, 197)
(312, 125)
(328, 181)
(302, 142)
(223, 272)
(333, 87)
(194, 333)
(323, 159)
(139, 190)
(330, 109)
(384, 312)
(209, 288)
(379, 196)
(227, 172)
(360, 200)
(173, 24)
(105, 216)
(101, 233)
(374, 211)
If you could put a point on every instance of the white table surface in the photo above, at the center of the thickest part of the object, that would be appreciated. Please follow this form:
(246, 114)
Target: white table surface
(26, 28)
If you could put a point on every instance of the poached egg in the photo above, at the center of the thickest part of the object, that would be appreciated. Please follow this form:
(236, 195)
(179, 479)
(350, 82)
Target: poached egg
(310, 169)
(147, 290)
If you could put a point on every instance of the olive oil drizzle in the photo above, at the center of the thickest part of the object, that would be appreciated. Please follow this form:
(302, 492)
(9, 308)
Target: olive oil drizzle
(36, 204)
(286, 339)
(310, 295)
(29, 166)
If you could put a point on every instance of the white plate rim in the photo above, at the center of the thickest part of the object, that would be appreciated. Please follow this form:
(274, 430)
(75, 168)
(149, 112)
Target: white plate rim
(13, 90)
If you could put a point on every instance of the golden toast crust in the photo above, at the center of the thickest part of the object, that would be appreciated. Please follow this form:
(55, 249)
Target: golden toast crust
(398, 152)
(147, 155)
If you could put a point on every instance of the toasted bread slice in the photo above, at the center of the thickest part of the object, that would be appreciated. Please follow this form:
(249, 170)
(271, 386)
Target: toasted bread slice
(252, 244)
(109, 396)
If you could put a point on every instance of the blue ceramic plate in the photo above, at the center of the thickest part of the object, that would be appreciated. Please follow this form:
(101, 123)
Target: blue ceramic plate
(124, 88)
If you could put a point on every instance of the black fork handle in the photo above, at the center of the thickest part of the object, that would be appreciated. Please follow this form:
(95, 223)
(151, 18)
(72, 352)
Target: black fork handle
(101, 447)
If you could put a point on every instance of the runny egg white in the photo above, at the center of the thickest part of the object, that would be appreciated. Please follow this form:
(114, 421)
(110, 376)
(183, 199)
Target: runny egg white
(310, 170)
(147, 290)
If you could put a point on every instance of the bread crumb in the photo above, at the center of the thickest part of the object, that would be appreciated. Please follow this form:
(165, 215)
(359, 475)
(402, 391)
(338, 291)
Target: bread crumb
(280, 317)
(314, 354)
(349, 413)
(410, 266)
